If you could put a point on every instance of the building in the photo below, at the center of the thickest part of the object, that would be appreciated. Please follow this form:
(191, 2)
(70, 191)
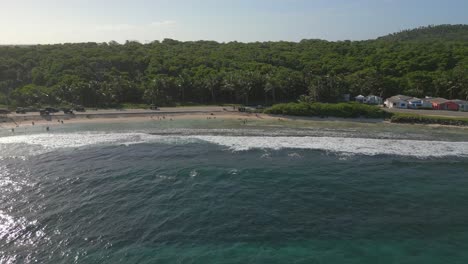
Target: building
(373, 100)
(462, 105)
(360, 98)
(416, 103)
(397, 101)
(443, 104)
(346, 97)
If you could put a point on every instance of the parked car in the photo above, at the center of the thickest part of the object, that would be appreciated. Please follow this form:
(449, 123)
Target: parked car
(44, 112)
(51, 110)
(153, 107)
(67, 111)
(4, 111)
(79, 108)
(20, 110)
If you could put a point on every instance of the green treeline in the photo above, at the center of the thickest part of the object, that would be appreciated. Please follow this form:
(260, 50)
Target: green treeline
(206, 72)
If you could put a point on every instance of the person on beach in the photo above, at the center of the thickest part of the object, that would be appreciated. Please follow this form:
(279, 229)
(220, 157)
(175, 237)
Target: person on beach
(33, 123)
(47, 128)
(12, 130)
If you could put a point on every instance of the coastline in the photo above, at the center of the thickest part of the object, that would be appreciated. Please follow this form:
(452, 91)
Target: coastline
(141, 115)
(175, 113)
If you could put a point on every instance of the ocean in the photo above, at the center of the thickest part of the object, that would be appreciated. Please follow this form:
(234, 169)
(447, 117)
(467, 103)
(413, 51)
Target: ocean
(218, 191)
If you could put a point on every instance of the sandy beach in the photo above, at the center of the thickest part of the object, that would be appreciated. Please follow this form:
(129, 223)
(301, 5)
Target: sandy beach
(140, 115)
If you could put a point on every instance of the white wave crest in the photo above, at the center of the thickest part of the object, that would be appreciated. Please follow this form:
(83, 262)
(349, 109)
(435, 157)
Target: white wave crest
(363, 146)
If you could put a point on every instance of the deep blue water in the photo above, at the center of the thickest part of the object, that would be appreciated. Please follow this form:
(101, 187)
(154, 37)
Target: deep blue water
(200, 202)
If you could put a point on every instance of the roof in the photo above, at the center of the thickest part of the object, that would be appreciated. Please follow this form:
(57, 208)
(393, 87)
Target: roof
(458, 101)
(438, 100)
(414, 99)
(398, 98)
(402, 97)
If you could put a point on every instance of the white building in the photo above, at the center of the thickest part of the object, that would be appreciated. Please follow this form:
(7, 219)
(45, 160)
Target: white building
(360, 98)
(397, 101)
(373, 99)
(416, 103)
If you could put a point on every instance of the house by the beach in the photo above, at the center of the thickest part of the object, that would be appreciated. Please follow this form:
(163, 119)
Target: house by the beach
(443, 104)
(417, 103)
(360, 98)
(397, 101)
(373, 99)
(462, 105)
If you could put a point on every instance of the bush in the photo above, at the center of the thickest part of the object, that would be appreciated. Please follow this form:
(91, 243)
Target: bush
(419, 119)
(344, 110)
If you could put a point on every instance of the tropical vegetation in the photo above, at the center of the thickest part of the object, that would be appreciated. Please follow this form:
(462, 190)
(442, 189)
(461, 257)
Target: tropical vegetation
(429, 61)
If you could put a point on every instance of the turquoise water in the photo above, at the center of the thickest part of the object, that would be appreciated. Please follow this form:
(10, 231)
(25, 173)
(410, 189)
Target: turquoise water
(221, 193)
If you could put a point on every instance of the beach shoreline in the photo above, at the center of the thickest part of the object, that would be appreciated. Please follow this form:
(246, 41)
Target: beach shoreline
(141, 115)
(174, 113)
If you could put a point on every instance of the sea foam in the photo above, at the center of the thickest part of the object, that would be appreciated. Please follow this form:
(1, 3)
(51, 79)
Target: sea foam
(362, 146)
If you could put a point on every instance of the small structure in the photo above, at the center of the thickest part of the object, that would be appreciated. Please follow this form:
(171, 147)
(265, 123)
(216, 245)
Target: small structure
(360, 98)
(397, 101)
(373, 100)
(416, 103)
(346, 97)
(443, 104)
(462, 105)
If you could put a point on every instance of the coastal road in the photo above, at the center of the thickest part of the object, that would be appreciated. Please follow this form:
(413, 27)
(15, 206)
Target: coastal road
(429, 112)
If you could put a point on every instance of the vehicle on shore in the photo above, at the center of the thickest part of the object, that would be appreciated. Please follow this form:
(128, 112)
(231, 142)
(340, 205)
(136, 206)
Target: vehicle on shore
(259, 107)
(44, 112)
(51, 110)
(20, 110)
(79, 108)
(67, 111)
(153, 107)
(4, 111)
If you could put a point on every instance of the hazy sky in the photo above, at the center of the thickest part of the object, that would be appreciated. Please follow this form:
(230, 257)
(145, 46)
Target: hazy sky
(58, 21)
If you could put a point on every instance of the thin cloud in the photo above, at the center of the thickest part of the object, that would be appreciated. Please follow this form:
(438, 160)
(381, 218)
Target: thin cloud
(163, 23)
(115, 27)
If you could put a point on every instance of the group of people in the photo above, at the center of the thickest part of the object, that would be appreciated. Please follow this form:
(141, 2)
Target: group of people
(162, 118)
(47, 128)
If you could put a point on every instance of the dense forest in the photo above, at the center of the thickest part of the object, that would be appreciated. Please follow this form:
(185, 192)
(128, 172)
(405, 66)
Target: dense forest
(430, 61)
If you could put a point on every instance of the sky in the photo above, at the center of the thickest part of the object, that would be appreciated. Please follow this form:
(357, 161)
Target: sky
(61, 21)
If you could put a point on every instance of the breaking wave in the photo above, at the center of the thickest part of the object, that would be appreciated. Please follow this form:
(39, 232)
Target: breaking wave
(40, 143)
